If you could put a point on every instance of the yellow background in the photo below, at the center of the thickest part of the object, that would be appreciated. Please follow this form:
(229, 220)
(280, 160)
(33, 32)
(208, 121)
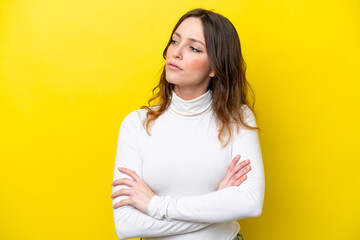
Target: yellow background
(70, 71)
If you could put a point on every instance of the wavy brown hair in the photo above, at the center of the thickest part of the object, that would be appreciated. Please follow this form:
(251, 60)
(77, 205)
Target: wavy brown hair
(229, 85)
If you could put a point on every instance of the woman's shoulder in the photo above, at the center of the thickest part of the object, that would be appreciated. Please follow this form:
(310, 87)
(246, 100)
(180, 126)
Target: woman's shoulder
(135, 116)
(248, 114)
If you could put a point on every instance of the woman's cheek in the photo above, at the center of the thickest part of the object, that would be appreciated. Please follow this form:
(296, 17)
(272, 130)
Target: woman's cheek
(200, 64)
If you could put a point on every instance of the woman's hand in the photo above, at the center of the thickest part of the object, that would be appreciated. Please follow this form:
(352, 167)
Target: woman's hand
(235, 174)
(139, 193)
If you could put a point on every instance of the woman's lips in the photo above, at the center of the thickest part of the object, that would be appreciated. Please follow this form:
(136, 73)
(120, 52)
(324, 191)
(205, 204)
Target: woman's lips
(174, 67)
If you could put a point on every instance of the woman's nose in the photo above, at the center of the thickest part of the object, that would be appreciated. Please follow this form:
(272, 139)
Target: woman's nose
(177, 53)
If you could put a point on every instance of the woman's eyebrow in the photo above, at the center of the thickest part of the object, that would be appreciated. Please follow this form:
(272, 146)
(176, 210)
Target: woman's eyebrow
(191, 39)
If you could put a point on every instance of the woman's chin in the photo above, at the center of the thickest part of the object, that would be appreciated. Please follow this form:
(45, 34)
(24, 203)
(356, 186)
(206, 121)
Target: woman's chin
(173, 80)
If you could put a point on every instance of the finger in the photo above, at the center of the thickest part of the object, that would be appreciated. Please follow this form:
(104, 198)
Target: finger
(121, 192)
(234, 161)
(231, 171)
(241, 165)
(239, 181)
(236, 170)
(238, 175)
(122, 203)
(124, 181)
(131, 173)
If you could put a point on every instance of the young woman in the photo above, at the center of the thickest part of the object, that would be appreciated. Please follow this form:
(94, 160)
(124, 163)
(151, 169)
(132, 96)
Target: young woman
(178, 174)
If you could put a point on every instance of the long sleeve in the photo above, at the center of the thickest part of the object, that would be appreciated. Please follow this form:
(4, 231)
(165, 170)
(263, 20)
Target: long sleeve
(129, 221)
(231, 203)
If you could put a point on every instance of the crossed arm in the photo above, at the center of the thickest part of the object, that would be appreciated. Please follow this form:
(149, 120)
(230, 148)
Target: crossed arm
(165, 215)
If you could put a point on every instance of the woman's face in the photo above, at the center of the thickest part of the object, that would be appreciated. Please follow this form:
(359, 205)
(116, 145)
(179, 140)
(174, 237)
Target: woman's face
(187, 63)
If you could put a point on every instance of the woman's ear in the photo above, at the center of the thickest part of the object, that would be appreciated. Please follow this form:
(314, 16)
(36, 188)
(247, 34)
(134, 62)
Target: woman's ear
(212, 73)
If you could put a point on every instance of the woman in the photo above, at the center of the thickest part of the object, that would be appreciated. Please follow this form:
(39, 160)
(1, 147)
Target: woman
(178, 174)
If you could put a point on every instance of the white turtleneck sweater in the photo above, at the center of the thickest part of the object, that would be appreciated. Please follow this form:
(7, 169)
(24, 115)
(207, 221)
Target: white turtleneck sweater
(183, 163)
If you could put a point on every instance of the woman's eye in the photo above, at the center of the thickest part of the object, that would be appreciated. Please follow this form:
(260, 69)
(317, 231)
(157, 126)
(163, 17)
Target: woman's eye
(194, 49)
(173, 41)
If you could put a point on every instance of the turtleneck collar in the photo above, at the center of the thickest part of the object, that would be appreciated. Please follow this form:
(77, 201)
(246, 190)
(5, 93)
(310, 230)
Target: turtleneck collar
(193, 107)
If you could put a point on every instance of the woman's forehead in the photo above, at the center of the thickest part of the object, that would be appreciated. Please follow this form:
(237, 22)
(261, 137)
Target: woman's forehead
(190, 28)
